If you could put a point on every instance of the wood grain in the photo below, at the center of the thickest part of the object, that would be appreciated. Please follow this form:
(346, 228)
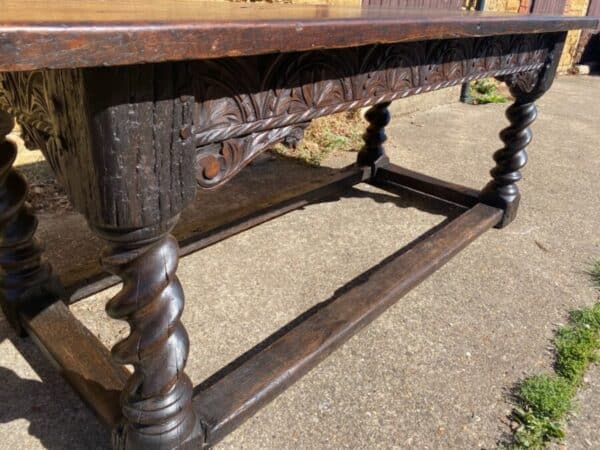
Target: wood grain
(113, 137)
(65, 34)
(80, 358)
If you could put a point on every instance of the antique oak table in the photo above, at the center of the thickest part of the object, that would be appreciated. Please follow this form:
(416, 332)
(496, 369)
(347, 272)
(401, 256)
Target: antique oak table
(138, 105)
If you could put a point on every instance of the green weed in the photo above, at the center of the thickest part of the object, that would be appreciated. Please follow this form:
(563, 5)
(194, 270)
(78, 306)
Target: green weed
(486, 91)
(545, 400)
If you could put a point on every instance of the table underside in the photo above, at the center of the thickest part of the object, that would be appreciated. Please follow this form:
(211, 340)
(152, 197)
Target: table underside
(133, 144)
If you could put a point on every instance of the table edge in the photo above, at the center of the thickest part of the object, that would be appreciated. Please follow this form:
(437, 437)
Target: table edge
(61, 47)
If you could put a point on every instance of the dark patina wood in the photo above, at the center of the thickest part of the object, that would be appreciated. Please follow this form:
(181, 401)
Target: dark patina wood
(373, 153)
(391, 175)
(526, 87)
(156, 401)
(203, 106)
(138, 105)
(80, 358)
(27, 282)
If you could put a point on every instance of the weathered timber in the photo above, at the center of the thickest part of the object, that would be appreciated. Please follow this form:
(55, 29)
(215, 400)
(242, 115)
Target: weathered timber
(137, 105)
(80, 358)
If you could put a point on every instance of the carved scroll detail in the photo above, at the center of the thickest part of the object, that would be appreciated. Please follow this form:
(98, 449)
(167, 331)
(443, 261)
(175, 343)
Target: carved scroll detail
(217, 163)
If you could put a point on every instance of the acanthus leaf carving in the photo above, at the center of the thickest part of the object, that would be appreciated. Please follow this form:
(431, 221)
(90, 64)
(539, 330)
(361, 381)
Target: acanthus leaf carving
(23, 95)
(297, 87)
(244, 104)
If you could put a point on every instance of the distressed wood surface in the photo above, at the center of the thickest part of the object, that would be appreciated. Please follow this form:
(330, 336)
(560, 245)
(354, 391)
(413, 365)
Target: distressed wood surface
(68, 33)
(80, 358)
(114, 137)
(156, 399)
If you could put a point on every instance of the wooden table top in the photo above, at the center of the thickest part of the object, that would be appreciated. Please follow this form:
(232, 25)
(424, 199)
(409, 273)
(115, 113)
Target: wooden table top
(72, 33)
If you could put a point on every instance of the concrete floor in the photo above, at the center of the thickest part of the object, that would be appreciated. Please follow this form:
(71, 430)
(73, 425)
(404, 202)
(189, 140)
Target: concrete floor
(431, 373)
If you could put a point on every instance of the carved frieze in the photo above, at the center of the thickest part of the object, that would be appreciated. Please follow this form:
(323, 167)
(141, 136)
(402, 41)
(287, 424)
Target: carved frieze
(238, 96)
(243, 105)
(238, 99)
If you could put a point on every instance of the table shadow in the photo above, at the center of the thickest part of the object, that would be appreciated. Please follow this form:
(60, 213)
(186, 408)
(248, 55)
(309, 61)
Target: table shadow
(57, 418)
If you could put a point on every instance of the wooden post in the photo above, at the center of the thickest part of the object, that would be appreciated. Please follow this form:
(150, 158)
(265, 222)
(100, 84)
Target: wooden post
(156, 402)
(526, 87)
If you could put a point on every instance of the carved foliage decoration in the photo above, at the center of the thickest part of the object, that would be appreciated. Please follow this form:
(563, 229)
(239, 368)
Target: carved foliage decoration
(23, 95)
(237, 97)
(263, 89)
(28, 97)
(272, 94)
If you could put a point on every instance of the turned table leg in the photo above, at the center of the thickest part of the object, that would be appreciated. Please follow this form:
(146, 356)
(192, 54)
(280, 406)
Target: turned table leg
(526, 87)
(373, 153)
(156, 403)
(502, 190)
(26, 281)
(122, 147)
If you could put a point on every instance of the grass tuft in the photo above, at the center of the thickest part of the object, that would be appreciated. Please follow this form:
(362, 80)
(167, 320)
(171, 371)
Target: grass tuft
(534, 432)
(490, 98)
(486, 91)
(587, 317)
(576, 348)
(546, 396)
(595, 273)
(484, 87)
(545, 400)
